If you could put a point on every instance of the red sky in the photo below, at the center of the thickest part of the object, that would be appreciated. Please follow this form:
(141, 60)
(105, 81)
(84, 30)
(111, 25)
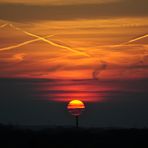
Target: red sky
(82, 44)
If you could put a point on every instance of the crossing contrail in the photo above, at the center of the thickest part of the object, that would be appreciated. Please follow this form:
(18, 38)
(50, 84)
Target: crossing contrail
(49, 42)
(22, 44)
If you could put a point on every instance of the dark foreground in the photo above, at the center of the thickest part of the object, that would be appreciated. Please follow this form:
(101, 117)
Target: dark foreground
(17, 137)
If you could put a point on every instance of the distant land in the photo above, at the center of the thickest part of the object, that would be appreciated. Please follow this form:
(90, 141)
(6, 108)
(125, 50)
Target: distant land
(15, 136)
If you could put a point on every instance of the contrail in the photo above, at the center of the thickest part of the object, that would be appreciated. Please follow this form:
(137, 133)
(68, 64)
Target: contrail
(130, 41)
(22, 44)
(4, 25)
(49, 42)
(137, 39)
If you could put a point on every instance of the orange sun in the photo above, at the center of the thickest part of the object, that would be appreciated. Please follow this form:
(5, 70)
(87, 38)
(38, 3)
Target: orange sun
(75, 107)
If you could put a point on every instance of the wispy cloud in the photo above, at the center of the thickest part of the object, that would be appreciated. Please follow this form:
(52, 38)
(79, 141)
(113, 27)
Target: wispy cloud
(122, 8)
(4, 25)
(103, 65)
(57, 2)
(15, 58)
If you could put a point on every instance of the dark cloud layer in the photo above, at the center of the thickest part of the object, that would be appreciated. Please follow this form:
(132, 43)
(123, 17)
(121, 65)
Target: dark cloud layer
(24, 101)
(124, 8)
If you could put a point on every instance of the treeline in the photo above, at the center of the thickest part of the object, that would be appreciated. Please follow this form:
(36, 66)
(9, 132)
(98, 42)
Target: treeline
(62, 137)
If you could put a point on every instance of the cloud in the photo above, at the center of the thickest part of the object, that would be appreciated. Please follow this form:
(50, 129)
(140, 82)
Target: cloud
(55, 68)
(103, 65)
(57, 2)
(68, 67)
(19, 57)
(26, 12)
(4, 25)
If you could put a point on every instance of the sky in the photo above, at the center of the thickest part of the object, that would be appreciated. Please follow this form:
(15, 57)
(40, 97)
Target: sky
(58, 50)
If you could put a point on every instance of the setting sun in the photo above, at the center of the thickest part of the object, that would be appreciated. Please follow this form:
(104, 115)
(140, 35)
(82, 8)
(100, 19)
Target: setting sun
(76, 104)
(75, 107)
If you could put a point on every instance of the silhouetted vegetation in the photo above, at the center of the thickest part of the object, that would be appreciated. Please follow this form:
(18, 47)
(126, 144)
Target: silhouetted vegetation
(19, 137)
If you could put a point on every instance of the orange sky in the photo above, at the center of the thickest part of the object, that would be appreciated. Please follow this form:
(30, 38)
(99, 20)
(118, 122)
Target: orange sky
(97, 45)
